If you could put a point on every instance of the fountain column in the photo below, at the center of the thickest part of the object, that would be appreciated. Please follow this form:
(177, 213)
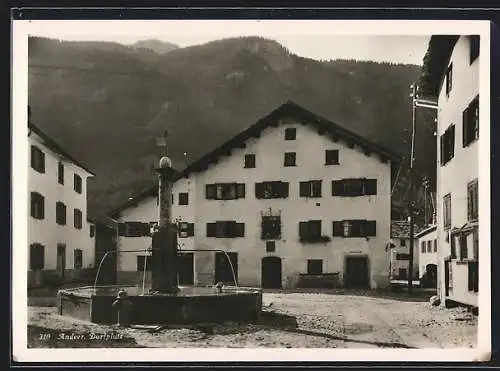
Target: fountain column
(164, 254)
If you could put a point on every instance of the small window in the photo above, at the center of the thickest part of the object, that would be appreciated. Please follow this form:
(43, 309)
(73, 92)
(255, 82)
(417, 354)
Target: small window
(271, 228)
(311, 188)
(60, 213)
(354, 187)
(185, 229)
(290, 133)
(332, 157)
(429, 246)
(310, 231)
(470, 118)
(270, 246)
(422, 247)
(225, 191)
(315, 266)
(447, 145)
(77, 183)
(60, 173)
(144, 262)
(77, 217)
(473, 276)
(226, 229)
(78, 258)
(134, 229)
(462, 240)
(402, 256)
(249, 161)
(435, 246)
(275, 189)
(37, 159)
(449, 79)
(354, 228)
(290, 159)
(447, 211)
(37, 255)
(472, 201)
(183, 198)
(402, 242)
(474, 47)
(37, 205)
(92, 230)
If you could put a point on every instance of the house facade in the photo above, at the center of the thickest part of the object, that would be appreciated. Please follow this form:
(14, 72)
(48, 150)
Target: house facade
(400, 251)
(60, 238)
(293, 196)
(457, 174)
(428, 256)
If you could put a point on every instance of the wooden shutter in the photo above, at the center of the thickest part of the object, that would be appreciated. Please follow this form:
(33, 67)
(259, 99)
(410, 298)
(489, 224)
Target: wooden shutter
(338, 229)
(211, 229)
(370, 186)
(358, 228)
(303, 230)
(121, 229)
(259, 190)
(370, 228)
(145, 229)
(190, 229)
(441, 148)
(304, 189)
(240, 190)
(284, 188)
(210, 191)
(465, 127)
(451, 141)
(453, 247)
(337, 188)
(239, 230)
(316, 188)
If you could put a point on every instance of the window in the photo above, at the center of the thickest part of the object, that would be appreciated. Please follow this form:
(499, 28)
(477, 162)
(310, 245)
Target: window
(447, 211)
(474, 47)
(225, 229)
(355, 228)
(464, 253)
(429, 246)
(60, 213)
(77, 218)
(290, 134)
(475, 244)
(249, 161)
(310, 231)
(314, 266)
(435, 246)
(92, 230)
(186, 229)
(449, 78)
(290, 159)
(144, 260)
(183, 198)
(78, 258)
(60, 173)
(453, 247)
(37, 205)
(332, 157)
(473, 276)
(402, 242)
(134, 229)
(270, 228)
(472, 201)
(77, 183)
(402, 256)
(422, 247)
(274, 189)
(37, 159)
(470, 123)
(403, 275)
(447, 145)
(311, 188)
(354, 187)
(37, 252)
(225, 191)
(270, 246)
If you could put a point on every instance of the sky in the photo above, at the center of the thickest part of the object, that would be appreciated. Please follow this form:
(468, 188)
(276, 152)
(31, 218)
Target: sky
(310, 40)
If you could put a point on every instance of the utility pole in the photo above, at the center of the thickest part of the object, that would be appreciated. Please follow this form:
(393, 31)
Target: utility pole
(412, 187)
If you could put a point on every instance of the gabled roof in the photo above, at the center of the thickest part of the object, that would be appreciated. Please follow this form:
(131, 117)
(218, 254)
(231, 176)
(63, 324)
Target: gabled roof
(133, 201)
(425, 231)
(53, 146)
(401, 229)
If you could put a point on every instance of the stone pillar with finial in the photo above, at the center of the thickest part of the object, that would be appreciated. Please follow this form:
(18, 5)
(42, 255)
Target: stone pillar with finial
(164, 246)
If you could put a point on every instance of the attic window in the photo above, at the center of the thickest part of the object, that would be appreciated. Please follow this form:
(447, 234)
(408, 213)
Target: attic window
(249, 161)
(290, 134)
(332, 157)
(290, 159)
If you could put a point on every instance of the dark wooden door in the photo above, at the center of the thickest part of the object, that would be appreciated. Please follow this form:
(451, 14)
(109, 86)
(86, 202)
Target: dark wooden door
(185, 266)
(431, 275)
(271, 272)
(356, 272)
(223, 271)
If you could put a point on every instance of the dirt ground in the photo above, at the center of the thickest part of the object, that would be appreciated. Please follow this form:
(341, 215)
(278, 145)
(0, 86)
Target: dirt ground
(290, 320)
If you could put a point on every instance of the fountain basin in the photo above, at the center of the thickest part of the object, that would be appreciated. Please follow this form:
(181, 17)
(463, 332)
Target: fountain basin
(191, 305)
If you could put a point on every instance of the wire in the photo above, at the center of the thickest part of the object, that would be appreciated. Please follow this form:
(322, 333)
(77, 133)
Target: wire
(397, 176)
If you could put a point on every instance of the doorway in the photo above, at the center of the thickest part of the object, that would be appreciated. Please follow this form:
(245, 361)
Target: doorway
(185, 268)
(223, 271)
(61, 260)
(447, 278)
(356, 272)
(431, 275)
(271, 272)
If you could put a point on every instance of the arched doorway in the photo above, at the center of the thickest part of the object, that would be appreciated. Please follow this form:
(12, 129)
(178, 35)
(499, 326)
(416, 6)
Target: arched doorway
(271, 272)
(431, 275)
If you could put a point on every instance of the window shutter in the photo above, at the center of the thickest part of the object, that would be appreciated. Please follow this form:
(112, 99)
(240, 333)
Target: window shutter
(190, 229)
(304, 189)
(371, 186)
(470, 280)
(240, 190)
(259, 190)
(303, 230)
(337, 187)
(121, 229)
(357, 228)
(451, 140)
(211, 229)
(146, 229)
(370, 228)
(441, 149)
(453, 247)
(338, 229)
(316, 188)
(210, 191)
(284, 189)
(465, 127)
(239, 230)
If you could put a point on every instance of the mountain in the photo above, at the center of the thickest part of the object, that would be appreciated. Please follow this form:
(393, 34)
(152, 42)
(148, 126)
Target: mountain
(157, 46)
(108, 102)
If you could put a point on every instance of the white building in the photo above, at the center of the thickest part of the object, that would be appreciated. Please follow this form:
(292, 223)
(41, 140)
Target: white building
(61, 240)
(400, 252)
(457, 173)
(291, 197)
(427, 256)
